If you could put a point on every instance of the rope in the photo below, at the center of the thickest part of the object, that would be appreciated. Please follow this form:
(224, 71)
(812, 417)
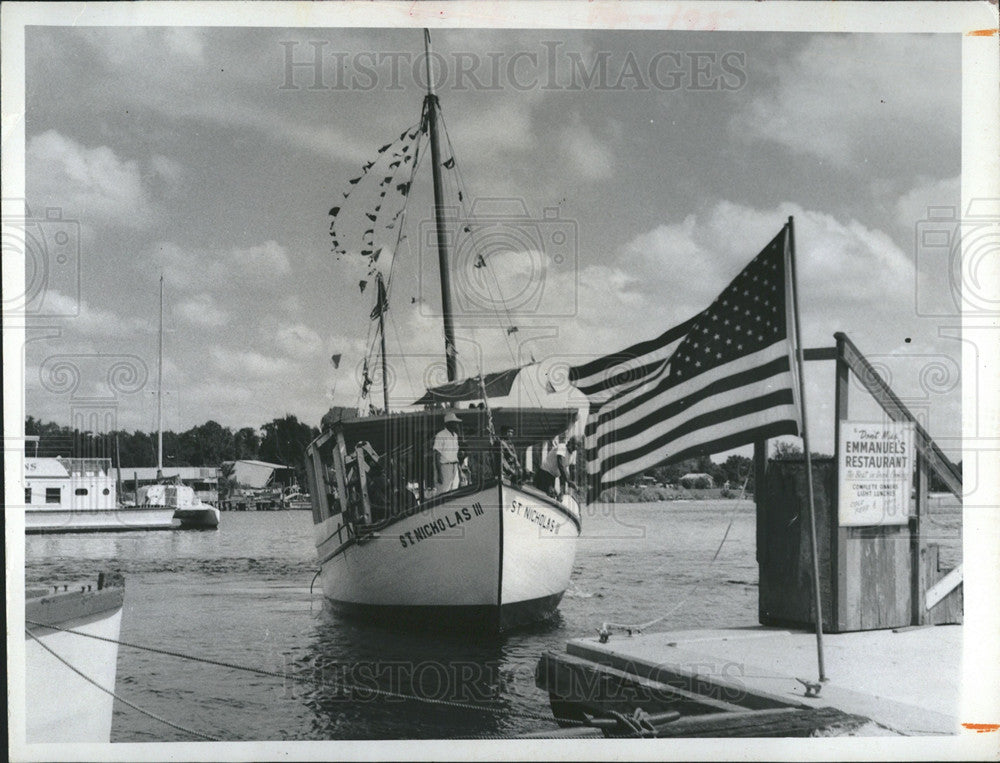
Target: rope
(605, 629)
(294, 677)
(117, 696)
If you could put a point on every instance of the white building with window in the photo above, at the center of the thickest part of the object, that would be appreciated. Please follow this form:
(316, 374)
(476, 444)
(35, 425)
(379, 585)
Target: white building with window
(69, 483)
(79, 495)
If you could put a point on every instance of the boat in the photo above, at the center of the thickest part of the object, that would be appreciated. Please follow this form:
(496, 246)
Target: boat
(73, 495)
(488, 554)
(294, 499)
(60, 705)
(188, 508)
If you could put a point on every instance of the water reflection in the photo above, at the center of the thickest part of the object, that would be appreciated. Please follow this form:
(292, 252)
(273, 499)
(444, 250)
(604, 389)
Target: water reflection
(356, 679)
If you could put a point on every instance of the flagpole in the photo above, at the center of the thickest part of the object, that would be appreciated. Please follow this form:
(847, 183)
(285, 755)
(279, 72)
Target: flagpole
(817, 602)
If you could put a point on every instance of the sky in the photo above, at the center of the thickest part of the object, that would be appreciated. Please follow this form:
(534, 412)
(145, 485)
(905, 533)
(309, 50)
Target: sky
(616, 181)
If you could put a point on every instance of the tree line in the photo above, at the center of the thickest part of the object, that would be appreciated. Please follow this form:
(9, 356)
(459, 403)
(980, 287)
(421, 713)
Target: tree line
(280, 441)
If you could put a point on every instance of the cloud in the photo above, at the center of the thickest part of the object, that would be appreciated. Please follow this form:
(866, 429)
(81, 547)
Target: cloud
(915, 206)
(201, 310)
(586, 153)
(183, 267)
(299, 341)
(269, 258)
(87, 183)
(169, 171)
(86, 320)
(250, 363)
(851, 100)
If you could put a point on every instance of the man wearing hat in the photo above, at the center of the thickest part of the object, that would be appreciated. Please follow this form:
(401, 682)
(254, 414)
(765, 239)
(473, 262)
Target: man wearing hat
(554, 466)
(447, 454)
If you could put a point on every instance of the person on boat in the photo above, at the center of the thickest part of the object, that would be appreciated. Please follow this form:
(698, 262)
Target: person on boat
(510, 464)
(554, 466)
(447, 454)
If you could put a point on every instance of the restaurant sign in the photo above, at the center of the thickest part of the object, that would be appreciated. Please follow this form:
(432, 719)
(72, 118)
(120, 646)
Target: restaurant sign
(875, 472)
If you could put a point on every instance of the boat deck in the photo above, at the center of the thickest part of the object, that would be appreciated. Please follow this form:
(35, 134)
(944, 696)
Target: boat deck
(906, 680)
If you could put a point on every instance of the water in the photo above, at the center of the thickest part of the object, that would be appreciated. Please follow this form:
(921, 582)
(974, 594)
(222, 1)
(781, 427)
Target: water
(241, 595)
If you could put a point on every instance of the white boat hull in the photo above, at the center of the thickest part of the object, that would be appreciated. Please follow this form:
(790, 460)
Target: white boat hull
(204, 517)
(494, 559)
(121, 519)
(60, 706)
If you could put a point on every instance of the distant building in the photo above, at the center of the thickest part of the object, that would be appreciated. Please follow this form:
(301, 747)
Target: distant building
(204, 480)
(259, 474)
(697, 480)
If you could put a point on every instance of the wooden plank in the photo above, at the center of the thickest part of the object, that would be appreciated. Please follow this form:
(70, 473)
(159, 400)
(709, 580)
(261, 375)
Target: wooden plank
(340, 472)
(314, 469)
(759, 491)
(686, 671)
(838, 534)
(359, 454)
(790, 722)
(949, 609)
(819, 353)
(785, 722)
(943, 587)
(901, 551)
(918, 582)
(595, 686)
(892, 405)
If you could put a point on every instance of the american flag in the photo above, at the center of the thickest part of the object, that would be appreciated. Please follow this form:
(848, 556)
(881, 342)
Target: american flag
(721, 379)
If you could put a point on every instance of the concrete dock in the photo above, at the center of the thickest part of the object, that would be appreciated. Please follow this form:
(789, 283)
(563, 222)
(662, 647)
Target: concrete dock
(905, 681)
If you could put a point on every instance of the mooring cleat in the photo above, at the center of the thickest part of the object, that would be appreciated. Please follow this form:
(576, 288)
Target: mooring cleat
(812, 688)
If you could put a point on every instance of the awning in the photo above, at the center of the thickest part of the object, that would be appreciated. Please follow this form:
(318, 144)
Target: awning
(497, 384)
(417, 430)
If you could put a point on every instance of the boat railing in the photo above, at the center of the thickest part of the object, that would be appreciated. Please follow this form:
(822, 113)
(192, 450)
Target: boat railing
(87, 467)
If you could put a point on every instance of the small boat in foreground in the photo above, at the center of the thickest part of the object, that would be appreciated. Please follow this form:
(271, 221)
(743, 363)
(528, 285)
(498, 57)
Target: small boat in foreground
(60, 705)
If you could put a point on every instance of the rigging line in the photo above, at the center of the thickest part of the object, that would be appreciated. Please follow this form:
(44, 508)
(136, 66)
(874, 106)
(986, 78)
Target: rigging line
(111, 692)
(400, 237)
(400, 222)
(503, 300)
(460, 181)
(462, 187)
(275, 674)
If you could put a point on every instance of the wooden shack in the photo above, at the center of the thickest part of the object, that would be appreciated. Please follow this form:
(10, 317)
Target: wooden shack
(876, 576)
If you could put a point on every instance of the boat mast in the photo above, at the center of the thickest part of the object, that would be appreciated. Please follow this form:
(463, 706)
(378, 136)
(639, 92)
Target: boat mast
(159, 394)
(431, 107)
(381, 297)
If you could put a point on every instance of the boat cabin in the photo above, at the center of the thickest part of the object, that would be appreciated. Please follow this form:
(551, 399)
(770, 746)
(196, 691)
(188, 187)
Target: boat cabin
(53, 484)
(373, 469)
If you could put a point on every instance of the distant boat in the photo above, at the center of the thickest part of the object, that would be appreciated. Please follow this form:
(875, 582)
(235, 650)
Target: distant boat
(188, 509)
(60, 706)
(75, 495)
(294, 499)
(487, 552)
